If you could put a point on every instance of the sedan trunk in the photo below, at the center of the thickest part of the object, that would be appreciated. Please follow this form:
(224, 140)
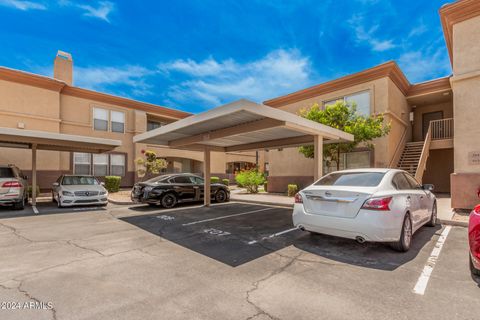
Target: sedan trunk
(342, 202)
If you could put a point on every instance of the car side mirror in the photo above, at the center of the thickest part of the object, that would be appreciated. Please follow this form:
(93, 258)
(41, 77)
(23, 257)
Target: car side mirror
(428, 187)
(55, 184)
(102, 184)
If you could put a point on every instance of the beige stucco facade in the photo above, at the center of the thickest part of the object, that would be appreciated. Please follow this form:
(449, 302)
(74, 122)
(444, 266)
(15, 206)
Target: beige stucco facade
(31, 102)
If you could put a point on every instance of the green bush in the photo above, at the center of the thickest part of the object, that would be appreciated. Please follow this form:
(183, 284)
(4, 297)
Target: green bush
(29, 189)
(265, 186)
(250, 179)
(226, 182)
(214, 179)
(112, 183)
(292, 190)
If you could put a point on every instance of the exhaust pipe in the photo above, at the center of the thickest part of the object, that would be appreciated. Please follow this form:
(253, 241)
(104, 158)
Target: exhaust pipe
(360, 239)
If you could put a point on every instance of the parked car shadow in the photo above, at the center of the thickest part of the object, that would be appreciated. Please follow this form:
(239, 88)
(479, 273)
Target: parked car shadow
(369, 254)
(148, 208)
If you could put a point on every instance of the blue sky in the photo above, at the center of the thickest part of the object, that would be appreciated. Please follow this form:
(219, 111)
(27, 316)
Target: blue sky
(194, 55)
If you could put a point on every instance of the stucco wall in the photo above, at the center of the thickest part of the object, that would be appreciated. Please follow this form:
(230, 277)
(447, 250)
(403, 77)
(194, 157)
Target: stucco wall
(466, 96)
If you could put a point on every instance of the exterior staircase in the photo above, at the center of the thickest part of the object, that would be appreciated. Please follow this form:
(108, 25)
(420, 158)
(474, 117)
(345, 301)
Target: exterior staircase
(410, 157)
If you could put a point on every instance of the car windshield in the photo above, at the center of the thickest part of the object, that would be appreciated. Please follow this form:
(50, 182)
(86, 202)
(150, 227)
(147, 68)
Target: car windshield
(159, 179)
(6, 173)
(79, 180)
(351, 179)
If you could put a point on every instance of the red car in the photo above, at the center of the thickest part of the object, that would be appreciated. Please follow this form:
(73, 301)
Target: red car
(474, 240)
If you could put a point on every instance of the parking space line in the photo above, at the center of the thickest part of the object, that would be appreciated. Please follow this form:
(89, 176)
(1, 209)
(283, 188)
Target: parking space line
(273, 235)
(225, 217)
(35, 210)
(422, 282)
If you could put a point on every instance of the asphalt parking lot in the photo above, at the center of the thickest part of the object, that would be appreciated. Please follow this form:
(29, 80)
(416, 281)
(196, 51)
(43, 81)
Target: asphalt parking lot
(229, 261)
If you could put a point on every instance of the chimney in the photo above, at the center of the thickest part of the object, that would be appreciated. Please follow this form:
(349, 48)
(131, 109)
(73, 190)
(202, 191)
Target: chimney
(63, 67)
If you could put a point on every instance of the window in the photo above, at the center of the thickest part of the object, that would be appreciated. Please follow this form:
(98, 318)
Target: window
(100, 164)
(354, 179)
(81, 163)
(79, 180)
(350, 160)
(361, 100)
(413, 183)
(117, 165)
(400, 182)
(117, 121)
(196, 180)
(100, 119)
(182, 179)
(152, 125)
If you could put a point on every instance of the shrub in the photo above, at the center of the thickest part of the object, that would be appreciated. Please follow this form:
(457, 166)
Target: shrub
(292, 190)
(265, 186)
(250, 179)
(29, 189)
(214, 179)
(226, 182)
(112, 183)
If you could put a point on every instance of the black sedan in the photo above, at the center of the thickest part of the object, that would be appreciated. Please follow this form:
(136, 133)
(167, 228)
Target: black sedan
(170, 189)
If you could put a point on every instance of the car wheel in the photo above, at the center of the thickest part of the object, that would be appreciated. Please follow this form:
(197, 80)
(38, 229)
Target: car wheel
(474, 271)
(220, 196)
(433, 218)
(403, 244)
(19, 205)
(169, 200)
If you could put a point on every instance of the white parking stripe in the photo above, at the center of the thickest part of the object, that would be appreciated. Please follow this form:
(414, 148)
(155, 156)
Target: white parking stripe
(273, 235)
(225, 217)
(35, 210)
(422, 282)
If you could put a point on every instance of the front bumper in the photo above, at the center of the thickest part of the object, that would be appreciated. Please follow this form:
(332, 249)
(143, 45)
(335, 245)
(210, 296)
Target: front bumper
(374, 226)
(70, 201)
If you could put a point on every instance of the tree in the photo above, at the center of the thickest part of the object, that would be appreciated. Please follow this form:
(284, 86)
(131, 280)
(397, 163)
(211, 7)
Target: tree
(344, 117)
(149, 165)
(250, 179)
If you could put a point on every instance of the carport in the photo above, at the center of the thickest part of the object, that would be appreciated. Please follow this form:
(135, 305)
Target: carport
(43, 140)
(243, 126)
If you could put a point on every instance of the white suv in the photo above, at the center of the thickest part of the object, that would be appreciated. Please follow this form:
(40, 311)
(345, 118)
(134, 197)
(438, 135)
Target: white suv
(13, 187)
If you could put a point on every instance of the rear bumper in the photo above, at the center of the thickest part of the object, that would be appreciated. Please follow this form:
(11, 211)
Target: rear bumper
(475, 261)
(374, 226)
(9, 199)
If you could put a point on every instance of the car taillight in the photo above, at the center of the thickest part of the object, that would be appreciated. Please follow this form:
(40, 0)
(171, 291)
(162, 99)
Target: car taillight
(11, 184)
(298, 198)
(377, 204)
(476, 209)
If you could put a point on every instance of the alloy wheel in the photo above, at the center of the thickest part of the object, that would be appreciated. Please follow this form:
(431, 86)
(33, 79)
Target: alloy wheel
(407, 232)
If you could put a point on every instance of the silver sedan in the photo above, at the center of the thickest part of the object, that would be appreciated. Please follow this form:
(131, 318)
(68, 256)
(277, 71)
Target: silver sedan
(74, 190)
(379, 205)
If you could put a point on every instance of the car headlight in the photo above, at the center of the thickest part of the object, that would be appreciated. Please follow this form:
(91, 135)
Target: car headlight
(103, 193)
(67, 193)
(147, 189)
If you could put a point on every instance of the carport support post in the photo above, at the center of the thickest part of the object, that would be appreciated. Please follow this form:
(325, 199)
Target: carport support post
(318, 156)
(34, 174)
(206, 173)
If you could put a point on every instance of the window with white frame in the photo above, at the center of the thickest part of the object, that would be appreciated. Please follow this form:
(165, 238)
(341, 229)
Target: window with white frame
(81, 163)
(100, 119)
(117, 120)
(100, 165)
(361, 100)
(117, 164)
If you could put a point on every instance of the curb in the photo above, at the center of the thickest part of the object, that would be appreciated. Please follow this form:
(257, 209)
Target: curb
(262, 202)
(453, 223)
(119, 202)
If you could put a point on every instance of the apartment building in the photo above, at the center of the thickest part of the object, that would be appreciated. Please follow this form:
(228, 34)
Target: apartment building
(434, 130)
(34, 102)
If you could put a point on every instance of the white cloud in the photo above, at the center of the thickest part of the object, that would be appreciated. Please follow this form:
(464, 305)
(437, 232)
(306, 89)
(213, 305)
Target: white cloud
(425, 64)
(215, 82)
(102, 11)
(23, 5)
(418, 30)
(101, 78)
(364, 35)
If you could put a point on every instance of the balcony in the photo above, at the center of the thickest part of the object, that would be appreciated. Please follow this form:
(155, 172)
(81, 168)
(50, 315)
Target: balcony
(441, 134)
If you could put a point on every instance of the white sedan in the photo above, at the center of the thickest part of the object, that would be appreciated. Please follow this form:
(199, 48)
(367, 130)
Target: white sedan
(74, 190)
(378, 205)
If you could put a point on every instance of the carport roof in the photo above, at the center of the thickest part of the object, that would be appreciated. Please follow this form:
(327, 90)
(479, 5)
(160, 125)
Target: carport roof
(240, 126)
(44, 140)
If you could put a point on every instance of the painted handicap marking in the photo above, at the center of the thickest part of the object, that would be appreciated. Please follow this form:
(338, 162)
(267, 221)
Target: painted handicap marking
(272, 235)
(216, 232)
(165, 217)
